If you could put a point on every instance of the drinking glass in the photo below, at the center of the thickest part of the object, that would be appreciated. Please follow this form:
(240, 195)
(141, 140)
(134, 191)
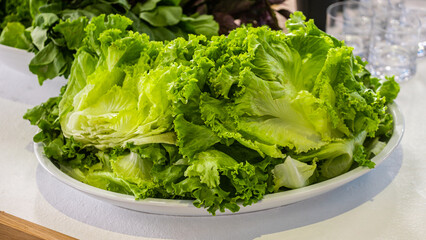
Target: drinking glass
(394, 46)
(350, 21)
(421, 13)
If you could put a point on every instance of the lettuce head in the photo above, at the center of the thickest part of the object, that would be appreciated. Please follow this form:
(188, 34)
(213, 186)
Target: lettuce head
(221, 120)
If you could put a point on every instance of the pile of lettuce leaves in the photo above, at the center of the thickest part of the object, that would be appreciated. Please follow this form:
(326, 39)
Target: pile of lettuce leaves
(221, 121)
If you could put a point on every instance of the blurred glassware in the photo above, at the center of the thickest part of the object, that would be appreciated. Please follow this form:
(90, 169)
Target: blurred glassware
(394, 45)
(382, 8)
(421, 13)
(350, 21)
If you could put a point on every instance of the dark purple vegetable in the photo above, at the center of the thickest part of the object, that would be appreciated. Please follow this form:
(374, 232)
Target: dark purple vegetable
(231, 14)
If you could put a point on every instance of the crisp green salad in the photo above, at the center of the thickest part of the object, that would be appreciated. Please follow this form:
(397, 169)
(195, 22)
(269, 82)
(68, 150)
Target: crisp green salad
(222, 121)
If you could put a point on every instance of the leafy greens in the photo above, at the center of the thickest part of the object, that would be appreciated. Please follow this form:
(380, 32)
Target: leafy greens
(55, 28)
(221, 121)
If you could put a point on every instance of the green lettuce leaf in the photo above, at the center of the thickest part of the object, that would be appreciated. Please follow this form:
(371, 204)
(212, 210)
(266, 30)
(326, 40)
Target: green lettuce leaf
(293, 174)
(218, 182)
(15, 35)
(15, 11)
(338, 157)
(49, 63)
(73, 31)
(200, 24)
(162, 16)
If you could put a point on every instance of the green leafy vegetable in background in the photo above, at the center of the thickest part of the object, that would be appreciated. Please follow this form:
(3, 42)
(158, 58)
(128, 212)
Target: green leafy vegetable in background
(15, 35)
(56, 27)
(14, 19)
(14, 11)
(221, 120)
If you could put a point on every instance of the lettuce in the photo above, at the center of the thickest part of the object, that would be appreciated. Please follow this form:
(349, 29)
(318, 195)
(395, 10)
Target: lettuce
(16, 11)
(54, 29)
(293, 173)
(15, 35)
(221, 120)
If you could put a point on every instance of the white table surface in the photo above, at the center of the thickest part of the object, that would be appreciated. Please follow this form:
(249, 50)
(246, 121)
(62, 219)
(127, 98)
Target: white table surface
(387, 203)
